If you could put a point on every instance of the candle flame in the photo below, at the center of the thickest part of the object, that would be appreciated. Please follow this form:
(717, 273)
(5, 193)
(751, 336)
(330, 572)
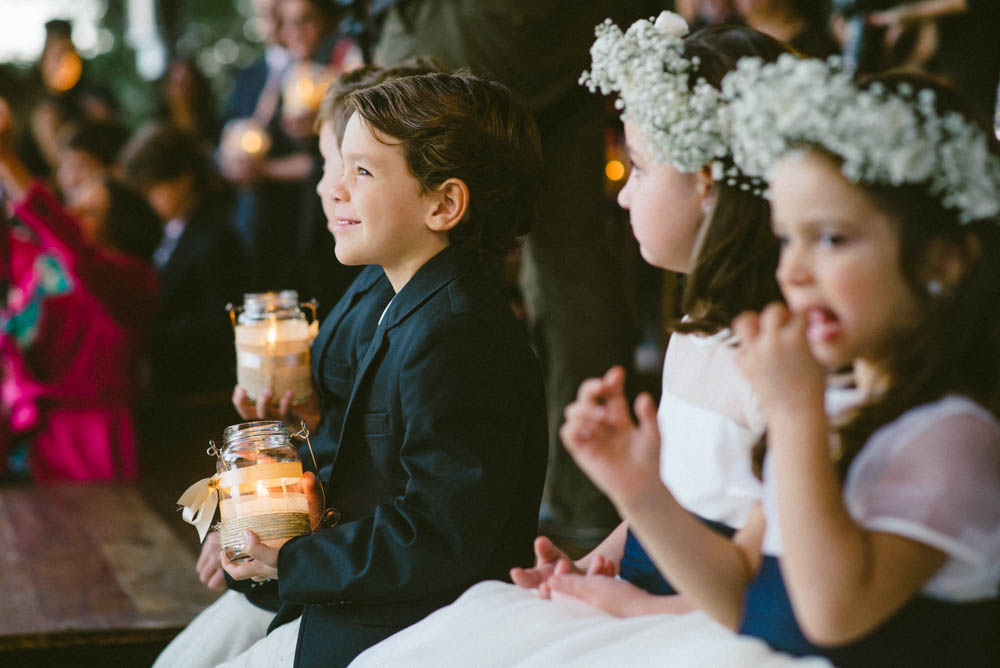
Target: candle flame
(272, 333)
(262, 490)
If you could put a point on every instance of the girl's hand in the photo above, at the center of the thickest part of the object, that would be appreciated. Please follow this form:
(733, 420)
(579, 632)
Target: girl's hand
(615, 597)
(620, 457)
(308, 411)
(550, 560)
(774, 356)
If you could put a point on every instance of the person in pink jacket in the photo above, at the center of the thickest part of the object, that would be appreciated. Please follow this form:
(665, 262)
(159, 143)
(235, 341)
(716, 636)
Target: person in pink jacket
(77, 292)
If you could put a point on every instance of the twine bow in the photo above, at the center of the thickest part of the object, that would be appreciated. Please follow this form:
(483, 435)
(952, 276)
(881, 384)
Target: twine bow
(199, 502)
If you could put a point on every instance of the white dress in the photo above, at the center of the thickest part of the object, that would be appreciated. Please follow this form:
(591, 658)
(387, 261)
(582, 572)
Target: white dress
(932, 475)
(709, 421)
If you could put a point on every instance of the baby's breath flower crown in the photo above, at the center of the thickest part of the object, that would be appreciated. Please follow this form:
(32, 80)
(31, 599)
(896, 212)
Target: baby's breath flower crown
(888, 137)
(647, 68)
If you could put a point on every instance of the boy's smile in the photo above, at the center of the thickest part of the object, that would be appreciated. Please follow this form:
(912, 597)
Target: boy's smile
(376, 209)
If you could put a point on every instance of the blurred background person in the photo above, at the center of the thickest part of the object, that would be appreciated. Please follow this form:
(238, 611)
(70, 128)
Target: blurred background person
(199, 261)
(960, 38)
(286, 235)
(186, 100)
(702, 13)
(64, 95)
(80, 295)
(88, 152)
(802, 24)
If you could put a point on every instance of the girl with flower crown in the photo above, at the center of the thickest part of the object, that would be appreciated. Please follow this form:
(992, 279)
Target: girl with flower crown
(714, 228)
(877, 542)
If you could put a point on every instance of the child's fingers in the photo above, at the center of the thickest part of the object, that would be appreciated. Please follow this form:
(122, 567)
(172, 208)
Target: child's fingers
(774, 317)
(218, 580)
(546, 551)
(590, 391)
(614, 379)
(263, 403)
(645, 412)
(526, 578)
(285, 405)
(242, 403)
(746, 326)
(567, 585)
(564, 565)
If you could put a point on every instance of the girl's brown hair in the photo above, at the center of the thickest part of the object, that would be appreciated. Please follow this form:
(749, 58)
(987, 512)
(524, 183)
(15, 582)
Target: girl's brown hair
(737, 255)
(955, 345)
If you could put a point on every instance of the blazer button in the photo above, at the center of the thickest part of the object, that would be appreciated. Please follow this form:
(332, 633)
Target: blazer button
(331, 517)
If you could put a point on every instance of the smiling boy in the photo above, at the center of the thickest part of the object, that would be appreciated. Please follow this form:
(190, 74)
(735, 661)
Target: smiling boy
(436, 481)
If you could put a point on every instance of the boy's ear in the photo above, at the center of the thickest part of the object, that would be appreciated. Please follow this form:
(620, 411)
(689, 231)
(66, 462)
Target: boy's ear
(451, 203)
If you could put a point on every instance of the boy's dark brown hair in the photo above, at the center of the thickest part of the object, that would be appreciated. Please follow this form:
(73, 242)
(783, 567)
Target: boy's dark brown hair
(334, 108)
(473, 129)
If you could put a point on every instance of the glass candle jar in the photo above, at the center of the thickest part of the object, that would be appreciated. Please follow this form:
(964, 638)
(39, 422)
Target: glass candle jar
(273, 337)
(259, 480)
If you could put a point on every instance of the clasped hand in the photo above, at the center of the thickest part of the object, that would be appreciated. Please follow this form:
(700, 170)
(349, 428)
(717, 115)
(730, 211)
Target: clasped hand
(263, 562)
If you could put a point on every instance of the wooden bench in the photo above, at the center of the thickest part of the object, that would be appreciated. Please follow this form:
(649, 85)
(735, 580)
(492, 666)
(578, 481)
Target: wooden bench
(85, 566)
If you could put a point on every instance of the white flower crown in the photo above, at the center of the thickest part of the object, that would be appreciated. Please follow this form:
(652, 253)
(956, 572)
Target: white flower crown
(647, 68)
(889, 137)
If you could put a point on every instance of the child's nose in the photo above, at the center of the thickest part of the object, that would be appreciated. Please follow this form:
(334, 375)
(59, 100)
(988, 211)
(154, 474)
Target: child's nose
(792, 268)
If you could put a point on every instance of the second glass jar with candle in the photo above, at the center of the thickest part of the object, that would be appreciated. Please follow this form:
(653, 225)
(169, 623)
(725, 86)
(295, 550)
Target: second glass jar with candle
(273, 337)
(259, 478)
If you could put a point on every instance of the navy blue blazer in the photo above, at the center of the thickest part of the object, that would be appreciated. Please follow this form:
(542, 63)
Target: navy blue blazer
(437, 472)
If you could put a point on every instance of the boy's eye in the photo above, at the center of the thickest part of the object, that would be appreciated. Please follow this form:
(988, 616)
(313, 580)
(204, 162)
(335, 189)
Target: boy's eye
(363, 172)
(831, 238)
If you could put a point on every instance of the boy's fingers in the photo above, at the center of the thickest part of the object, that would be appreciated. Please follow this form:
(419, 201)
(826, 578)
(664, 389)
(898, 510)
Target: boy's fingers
(263, 403)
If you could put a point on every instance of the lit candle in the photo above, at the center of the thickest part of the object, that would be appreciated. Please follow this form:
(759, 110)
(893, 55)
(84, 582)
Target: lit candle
(244, 139)
(303, 88)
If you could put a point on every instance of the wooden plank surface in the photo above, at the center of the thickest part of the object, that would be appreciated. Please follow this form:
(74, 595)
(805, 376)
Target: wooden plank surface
(89, 564)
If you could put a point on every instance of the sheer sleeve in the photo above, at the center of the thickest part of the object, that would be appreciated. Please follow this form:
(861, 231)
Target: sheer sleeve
(933, 476)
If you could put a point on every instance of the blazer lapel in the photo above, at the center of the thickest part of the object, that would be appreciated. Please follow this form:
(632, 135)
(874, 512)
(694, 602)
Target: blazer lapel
(362, 284)
(437, 273)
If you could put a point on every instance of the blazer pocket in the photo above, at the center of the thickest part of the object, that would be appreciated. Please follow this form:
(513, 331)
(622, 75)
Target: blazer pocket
(376, 424)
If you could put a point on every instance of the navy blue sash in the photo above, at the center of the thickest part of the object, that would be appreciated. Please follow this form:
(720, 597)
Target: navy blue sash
(925, 632)
(637, 568)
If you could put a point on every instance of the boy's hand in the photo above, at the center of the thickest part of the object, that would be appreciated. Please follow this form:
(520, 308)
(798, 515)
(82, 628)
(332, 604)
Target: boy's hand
(262, 564)
(314, 497)
(620, 457)
(209, 568)
(774, 356)
(308, 411)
